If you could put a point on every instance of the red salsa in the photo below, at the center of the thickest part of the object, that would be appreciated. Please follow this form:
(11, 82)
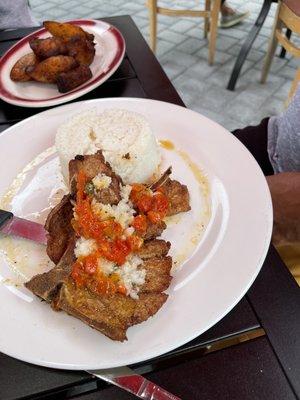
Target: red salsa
(112, 243)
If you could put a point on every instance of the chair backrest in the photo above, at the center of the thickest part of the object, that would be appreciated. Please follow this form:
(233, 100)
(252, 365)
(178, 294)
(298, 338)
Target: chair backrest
(289, 17)
(293, 5)
(291, 21)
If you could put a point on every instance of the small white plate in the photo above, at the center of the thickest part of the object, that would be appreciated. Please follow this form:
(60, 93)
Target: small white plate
(110, 50)
(218, 269)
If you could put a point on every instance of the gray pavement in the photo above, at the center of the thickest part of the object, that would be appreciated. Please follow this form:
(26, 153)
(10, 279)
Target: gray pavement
(182, 51)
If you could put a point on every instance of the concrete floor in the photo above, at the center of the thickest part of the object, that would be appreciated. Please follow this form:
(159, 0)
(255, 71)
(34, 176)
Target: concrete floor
(182, 51)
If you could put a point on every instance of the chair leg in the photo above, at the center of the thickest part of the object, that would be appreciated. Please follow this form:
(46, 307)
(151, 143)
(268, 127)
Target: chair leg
(214, 17)
(247, 45)
(272, 46)
(288, 35)
(152, 6)
(293, 87)
(206, 21)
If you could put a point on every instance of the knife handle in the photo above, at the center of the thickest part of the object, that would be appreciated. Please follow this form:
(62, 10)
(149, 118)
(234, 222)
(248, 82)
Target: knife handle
(154, 392)
(4, 217)
(143, 388)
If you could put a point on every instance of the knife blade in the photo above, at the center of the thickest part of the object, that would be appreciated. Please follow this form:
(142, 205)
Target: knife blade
(11, 225)
(125, 378)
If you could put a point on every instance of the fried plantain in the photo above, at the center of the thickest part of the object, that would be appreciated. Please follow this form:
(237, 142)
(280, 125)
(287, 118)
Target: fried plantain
(18, 72)
(81, 49)
(49, 47)
(66, 31)
(48, 70)
(67, 81)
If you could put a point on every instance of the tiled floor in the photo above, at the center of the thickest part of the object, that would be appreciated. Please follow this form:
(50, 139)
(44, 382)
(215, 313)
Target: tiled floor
(182, 52)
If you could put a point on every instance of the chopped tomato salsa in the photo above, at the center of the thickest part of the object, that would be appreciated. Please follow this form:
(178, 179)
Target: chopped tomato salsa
(86, 274)
(154, 205)
(140, 223)
(112, 243)
(108, 234)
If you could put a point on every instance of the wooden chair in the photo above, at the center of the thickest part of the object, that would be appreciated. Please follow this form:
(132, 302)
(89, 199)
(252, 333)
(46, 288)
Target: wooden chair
(287, 16)
(210, 14)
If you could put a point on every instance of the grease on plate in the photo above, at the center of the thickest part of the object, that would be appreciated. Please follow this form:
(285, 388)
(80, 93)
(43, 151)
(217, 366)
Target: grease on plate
(202, 216)
(167, 144)
(25, 257)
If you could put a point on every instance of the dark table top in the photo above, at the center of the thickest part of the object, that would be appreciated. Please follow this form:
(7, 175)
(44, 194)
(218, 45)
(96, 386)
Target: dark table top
(267, 367)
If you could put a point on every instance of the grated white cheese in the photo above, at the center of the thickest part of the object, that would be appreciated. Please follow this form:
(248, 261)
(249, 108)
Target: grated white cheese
(125, 193)
(84, 247)
(131, 276)
(129, 231)
(107, 267)
(101, 181)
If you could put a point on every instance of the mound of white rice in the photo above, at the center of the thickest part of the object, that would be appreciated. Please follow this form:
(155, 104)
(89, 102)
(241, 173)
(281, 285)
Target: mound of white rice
(125, 138)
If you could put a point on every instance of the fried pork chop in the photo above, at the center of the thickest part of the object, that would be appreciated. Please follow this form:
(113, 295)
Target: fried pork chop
(93, 165)
(59, 228)
(178, 195)
(111, 314)
(154, 248)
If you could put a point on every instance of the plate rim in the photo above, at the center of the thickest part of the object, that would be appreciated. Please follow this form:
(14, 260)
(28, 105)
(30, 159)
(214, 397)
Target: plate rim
(220, 316)
(62, 98)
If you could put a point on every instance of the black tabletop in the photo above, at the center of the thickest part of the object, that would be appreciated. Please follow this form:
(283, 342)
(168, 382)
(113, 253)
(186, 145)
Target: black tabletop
(267, 367)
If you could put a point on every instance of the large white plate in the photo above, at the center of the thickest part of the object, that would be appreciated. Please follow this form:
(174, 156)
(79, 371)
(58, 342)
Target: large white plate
(110, 50)
(204, 289)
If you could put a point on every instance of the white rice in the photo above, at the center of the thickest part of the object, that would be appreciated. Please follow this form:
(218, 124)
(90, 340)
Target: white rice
(125, 138)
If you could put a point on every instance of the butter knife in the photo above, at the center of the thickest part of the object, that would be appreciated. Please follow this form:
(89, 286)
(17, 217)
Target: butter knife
(11, 225)
(125, 378)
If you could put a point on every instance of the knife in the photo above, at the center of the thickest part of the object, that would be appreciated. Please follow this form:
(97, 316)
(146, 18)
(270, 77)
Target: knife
(11, 225)
(125, 378)
(122, 377)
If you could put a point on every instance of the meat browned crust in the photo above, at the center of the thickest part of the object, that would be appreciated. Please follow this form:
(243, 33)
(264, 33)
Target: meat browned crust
(178, 196)
(154, 230)
(154, 248)
(48, 284)
(93, 165)
(92, 310)
(58, 225)
(110, 314)
(158, 276)
(147, 306)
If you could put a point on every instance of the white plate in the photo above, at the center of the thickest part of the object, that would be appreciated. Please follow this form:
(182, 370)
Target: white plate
(110, 50)
(204, 289)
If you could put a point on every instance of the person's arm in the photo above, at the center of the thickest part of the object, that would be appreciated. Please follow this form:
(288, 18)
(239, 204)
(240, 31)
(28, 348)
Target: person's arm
(285, 192)
(284, 138)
